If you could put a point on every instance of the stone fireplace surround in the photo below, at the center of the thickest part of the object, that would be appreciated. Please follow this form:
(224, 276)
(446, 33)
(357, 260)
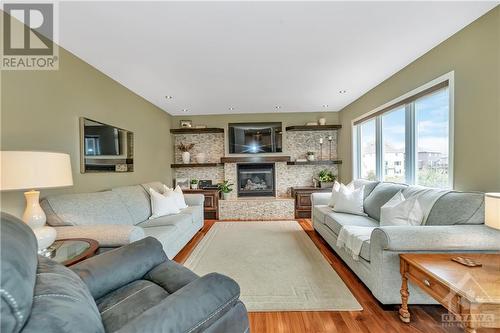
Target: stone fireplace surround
(281, 206)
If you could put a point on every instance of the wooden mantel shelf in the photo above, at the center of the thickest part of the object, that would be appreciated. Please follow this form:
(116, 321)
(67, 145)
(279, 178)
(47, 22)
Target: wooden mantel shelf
(313, 128)
(193, 130)
(322, 162)
(194, 165)
(254, 159)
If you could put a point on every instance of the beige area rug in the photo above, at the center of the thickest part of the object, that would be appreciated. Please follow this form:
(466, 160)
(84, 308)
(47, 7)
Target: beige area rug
(276, 264)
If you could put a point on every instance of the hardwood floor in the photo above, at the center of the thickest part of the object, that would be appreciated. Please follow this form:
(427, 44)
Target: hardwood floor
(373, 319)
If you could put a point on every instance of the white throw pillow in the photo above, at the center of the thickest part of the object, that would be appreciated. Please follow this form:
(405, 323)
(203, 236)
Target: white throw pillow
(350, 200)
(162, 205)
(335, 191)
(178, 194)
(399, 211)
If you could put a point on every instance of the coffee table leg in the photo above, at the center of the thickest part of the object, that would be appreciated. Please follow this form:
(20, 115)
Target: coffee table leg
(404, 314)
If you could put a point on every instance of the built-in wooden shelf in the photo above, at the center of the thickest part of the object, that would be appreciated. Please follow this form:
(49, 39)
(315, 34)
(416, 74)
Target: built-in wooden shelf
(254, 159)
(323, 162)
(192, 130)
(313, 128)
(194, 165)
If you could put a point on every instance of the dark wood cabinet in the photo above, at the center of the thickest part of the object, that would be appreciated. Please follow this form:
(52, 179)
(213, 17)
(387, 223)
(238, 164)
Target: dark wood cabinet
(303, 203)
(211, 205)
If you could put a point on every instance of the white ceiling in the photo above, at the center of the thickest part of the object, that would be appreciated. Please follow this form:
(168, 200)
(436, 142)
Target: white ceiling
(253, 56)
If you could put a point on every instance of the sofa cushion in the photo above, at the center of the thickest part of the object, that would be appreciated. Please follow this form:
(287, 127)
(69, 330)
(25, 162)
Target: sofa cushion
(335, 221)
(195, 212)
(320, 212)
(181, 221)
(382, 193)
(458, 208)
(61, 302)
(86, 208)
(136, 200)
(18, 272)
(128, 302)
(368, 184)
(157, 186)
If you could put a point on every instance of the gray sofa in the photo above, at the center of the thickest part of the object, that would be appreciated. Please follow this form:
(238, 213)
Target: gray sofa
(135, 288)
(121, 215)
(454, 224)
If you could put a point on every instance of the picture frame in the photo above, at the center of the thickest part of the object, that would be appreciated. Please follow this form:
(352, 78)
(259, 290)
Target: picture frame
(186, 123)
(184, 183)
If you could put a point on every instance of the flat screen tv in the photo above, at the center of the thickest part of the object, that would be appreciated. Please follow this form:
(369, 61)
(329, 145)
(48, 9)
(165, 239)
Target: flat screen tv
(255, 138)
(101, 139)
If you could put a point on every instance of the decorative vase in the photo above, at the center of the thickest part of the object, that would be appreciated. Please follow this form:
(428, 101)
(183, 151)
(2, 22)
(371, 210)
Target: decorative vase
(201, 157)
(186, 157)
(322, 121)
(311, 157)
(225, 196)
(194, 186)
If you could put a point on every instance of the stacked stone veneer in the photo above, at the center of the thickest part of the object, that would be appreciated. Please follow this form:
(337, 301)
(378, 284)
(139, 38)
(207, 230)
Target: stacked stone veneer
(256, 209)
(212, 144)
(297, 144)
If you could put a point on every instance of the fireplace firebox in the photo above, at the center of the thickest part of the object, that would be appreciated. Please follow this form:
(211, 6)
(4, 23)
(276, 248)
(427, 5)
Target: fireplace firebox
(256, 180)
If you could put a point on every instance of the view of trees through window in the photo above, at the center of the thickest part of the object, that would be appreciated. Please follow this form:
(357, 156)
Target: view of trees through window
(428, 141)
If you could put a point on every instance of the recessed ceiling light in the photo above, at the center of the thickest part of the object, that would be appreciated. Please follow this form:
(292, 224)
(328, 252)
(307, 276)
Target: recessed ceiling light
(342, 91)
(325, 105)
(231, 108)
(169, 97)
(185, 110)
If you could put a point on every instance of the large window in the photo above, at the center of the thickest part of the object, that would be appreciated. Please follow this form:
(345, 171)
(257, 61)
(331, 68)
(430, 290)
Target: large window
(407, 142)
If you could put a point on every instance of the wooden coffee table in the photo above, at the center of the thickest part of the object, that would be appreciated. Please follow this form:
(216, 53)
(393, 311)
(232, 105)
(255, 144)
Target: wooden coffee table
(471, 294)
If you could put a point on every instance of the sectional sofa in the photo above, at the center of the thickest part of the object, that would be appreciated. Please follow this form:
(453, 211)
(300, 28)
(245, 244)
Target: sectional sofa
(121, 215)
(454, 224)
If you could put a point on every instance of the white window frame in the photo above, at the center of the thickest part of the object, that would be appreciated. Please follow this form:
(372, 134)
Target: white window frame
(410, 135)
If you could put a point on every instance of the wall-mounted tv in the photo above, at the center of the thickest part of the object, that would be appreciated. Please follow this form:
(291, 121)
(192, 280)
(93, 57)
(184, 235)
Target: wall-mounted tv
(255, 138)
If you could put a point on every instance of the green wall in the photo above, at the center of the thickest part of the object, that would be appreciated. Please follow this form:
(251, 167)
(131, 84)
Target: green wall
(288, 119)
(40, 111)
(474, 54)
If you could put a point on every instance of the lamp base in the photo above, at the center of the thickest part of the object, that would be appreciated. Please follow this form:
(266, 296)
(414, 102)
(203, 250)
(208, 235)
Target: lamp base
(34, 216)
(45, 237)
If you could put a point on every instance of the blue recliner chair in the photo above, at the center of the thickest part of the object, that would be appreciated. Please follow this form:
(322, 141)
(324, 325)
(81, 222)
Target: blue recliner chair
(135, 288)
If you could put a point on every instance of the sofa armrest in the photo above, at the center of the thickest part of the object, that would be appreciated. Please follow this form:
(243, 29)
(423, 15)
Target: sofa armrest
(194, 199)
(171, 276)
(108, 235)
(436, 238)
(115, 268)
(320, 198)
(191, 309)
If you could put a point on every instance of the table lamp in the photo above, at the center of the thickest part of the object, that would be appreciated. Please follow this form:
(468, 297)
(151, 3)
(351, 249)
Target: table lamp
(30, 170)
(492, 210)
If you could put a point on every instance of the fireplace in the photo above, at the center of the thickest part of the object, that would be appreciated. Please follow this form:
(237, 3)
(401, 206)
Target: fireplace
(256, 180)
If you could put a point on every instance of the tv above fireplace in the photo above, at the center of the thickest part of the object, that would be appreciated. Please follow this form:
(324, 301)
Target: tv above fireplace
(255, 138)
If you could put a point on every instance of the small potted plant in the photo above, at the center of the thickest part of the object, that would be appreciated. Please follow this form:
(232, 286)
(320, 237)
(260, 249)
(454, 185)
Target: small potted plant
(194, 184)
(326, 178)
(185, 148)
(310, 156)
(225, 189)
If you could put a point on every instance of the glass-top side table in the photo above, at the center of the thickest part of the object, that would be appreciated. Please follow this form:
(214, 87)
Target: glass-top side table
(70, 251)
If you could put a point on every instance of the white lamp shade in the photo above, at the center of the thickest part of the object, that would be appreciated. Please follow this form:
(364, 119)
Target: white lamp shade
(492, 210)
(34, 170)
